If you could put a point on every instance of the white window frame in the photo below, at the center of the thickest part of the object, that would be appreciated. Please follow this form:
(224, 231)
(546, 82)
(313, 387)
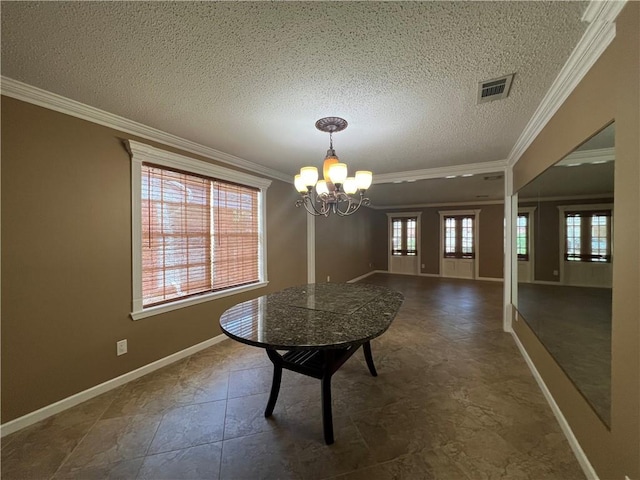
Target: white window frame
(562, 231)
(142, 153)
(531, 227)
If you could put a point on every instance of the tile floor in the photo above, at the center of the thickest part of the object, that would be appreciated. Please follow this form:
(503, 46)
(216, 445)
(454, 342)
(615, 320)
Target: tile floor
(453, 400)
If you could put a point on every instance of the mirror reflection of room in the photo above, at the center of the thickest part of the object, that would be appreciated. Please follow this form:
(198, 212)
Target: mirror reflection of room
(564, 236)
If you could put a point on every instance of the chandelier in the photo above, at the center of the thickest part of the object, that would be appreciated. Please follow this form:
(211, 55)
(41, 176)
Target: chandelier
(336, 191)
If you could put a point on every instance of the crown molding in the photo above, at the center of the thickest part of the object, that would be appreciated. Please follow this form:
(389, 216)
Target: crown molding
(43, 98)
(441, 204)
(441, 172)
(603, 10)
(565, 198)
(599, 155)
(141, 152)
(599, 34)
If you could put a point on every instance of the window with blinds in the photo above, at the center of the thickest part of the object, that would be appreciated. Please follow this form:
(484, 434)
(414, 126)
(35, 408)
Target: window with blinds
(198, 231)
(587, 236)
(459, 236)
(199, 234)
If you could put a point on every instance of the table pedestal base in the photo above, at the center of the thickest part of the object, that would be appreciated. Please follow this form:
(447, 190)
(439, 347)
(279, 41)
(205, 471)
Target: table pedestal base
(320, 364)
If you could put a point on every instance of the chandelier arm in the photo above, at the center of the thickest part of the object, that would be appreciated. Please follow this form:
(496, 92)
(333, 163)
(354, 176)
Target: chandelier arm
(312, 204)
(350, 208)
(312, 212)
(308, 205)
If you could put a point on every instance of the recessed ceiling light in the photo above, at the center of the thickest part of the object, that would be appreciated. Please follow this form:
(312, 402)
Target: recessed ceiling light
(411, 181)
(599, 161)
(468, 175)
(397, 181)
(573, 164)
(451, 176)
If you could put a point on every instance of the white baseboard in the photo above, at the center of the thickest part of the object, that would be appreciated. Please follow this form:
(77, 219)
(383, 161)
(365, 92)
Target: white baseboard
(372, 272)
(558, 284)
(57, 407)
(587, 468)
(544, 282)
(434, 275)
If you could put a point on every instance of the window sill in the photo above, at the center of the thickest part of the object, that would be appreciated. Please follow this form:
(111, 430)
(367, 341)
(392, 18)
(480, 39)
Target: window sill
(187, 302)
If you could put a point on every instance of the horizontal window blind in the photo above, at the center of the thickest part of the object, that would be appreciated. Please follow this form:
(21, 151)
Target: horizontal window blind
(235, 233)
(199, 234)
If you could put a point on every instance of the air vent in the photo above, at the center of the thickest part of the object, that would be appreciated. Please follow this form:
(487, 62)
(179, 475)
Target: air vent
(495, 89)
(493, 177)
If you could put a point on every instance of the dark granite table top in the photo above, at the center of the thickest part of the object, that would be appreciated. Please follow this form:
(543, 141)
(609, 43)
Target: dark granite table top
(321, 315)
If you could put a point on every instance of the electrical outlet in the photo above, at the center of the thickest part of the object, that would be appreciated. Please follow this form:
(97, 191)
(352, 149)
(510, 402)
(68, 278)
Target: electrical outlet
(555, 273)
(423, 265)
(328, 278)
(121, 347)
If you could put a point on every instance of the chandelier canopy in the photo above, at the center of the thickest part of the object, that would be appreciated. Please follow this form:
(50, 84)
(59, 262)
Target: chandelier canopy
(334, 192)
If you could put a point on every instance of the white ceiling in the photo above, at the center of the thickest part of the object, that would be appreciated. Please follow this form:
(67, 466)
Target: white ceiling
(251, 78)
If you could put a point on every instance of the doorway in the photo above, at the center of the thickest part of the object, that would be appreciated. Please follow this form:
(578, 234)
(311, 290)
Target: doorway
(404, 241)
(459, 243)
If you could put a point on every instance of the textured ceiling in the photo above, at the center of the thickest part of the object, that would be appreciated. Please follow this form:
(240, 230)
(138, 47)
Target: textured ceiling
(251, 78)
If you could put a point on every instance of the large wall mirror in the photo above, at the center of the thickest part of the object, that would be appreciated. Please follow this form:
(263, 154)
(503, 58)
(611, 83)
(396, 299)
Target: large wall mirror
(564, 245)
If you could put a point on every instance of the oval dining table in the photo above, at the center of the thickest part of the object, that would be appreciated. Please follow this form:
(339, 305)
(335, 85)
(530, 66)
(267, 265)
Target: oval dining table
(313, 330)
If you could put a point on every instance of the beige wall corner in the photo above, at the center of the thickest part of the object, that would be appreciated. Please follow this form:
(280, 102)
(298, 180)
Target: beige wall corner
(66, 261)
(609, 91)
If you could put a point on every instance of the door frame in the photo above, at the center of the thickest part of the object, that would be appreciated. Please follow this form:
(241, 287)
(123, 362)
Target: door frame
(476, 238)
(391, 216)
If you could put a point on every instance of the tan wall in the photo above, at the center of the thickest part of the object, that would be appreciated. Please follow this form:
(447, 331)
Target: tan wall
(380, 240)
(344, 246)
(66, 261)
(490, 236)
(491, 241)
(608, 92)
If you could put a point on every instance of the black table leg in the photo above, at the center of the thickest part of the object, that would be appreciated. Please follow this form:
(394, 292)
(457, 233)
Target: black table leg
(276, 359)
(327, 415)
(320, 364)
(366, 346)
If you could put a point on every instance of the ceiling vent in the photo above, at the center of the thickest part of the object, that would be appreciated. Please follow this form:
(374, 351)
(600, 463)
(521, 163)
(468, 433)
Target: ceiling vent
(493, 177)
(495, 89)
